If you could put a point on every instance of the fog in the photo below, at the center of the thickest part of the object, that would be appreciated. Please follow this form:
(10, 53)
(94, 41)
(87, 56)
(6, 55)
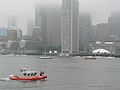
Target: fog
(100, 10)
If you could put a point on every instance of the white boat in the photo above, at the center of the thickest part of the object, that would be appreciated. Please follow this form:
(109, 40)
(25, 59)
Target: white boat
(76, 57)
(45, 57)
(89, 58)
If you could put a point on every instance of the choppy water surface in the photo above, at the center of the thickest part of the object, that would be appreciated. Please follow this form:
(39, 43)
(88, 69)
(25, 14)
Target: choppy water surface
(63, 73)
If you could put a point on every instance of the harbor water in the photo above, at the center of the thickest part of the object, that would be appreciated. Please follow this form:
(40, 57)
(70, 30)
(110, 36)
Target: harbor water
(63, 73)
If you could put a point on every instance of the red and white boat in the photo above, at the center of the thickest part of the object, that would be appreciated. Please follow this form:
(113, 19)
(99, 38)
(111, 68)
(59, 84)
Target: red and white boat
(28, 76)
(33, 78)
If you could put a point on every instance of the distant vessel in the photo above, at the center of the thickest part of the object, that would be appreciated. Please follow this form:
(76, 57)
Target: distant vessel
(77, 57)
(64, 54)
(45, 57)
(89, 57)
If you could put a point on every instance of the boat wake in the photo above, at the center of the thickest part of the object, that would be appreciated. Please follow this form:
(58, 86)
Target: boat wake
(4, 79)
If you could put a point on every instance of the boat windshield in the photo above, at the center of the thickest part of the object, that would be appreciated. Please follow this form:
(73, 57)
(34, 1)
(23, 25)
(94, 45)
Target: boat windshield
(29, 73)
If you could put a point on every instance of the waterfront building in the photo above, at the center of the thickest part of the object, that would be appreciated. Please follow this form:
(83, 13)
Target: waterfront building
(37, 34)
(12, 35)
(3, 34)
(102, 27)
(12, 47)
(70, 26)
(111, 45)
(26, 37)
(30, 47)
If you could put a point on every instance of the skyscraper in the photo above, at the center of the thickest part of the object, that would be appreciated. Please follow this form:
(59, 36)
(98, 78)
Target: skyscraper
(12, 23)
(70, 26)
(114, 25)
(47, 19)
(103, 27)
(53, 26)
(30, 26)
(41, 22)
(85, 33)
(12, 35)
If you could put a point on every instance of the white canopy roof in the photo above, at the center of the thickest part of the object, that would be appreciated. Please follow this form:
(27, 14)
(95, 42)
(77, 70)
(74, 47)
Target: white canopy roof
(101, 51)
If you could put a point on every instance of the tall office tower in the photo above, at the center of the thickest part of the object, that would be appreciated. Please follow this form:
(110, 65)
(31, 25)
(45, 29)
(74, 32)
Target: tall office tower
(114, 25)
(85, 30)
(41, 21)
(93, 31)
(102, 27)
(53, 26)
(70, 26)
(12, 23)
(30, 26)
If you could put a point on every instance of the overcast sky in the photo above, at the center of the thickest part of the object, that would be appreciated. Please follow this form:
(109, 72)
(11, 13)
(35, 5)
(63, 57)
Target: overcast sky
(24, 9)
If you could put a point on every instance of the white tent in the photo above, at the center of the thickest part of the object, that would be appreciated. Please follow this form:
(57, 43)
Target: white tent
(101, 51)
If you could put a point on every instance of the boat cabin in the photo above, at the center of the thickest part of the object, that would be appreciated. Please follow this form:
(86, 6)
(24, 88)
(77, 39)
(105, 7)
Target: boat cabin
(29, 73)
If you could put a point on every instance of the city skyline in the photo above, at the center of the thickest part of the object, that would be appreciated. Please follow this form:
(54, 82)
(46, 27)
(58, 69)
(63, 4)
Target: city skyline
(100, 10)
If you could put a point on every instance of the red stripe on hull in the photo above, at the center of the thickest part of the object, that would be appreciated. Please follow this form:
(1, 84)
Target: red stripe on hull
(33, 78)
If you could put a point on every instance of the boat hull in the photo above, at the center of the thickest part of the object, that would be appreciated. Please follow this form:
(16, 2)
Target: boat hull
(33, 78)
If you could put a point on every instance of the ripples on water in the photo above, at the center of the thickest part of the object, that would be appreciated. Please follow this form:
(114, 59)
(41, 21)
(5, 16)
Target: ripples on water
(63, 73)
